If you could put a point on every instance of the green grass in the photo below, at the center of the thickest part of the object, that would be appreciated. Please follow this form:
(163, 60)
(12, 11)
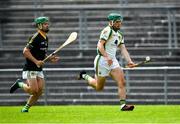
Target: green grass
(146, 114)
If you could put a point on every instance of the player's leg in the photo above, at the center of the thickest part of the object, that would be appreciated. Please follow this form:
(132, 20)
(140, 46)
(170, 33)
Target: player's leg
(41, 83)
(39, 78)
(20, 84)
(17, 84)
(118, 75)
(97, 83)
(101, 72)
(33, 98)
(33, 90)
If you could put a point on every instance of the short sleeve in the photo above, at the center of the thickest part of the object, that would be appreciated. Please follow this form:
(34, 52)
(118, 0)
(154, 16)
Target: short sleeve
(31, 42)
(105, 33)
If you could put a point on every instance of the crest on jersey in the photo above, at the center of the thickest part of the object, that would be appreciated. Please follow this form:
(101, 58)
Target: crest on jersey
(104, 32)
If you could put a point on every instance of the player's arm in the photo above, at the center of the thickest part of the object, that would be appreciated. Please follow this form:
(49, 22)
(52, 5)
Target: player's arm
(126, 55)
(101, 49)
(27, 54)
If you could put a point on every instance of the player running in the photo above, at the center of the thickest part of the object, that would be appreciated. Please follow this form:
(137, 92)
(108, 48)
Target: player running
(106, 64)
(34, 52)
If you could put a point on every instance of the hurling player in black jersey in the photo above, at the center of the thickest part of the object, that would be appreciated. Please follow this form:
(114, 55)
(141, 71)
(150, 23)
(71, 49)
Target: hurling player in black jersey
(34, 52)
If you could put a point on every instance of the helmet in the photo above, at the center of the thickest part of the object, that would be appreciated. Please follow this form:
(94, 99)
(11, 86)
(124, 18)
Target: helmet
(114, 17)
(41, 20)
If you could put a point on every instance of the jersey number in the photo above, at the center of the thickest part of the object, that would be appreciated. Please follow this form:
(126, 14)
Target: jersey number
(116, 42)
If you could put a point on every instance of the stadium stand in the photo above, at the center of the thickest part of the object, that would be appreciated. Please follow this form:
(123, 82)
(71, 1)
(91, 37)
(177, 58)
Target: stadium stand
(146, 32)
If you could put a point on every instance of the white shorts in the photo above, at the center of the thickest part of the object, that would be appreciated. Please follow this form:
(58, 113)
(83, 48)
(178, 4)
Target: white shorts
(101, 66)
(32, 74)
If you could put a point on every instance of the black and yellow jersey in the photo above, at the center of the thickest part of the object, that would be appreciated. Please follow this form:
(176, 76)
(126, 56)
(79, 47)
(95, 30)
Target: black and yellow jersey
(38, 45)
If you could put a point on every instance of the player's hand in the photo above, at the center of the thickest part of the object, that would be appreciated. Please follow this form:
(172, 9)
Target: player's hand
(109, 61)
(39, 63)
(131, 65)
(54, 59)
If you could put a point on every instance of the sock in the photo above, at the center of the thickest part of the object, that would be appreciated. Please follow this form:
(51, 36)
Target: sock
(27, 106)
(21, 84)
(86, 77)
(122, 101)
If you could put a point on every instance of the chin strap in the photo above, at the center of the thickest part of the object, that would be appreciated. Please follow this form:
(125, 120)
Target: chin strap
(111, 23)
(40, 26)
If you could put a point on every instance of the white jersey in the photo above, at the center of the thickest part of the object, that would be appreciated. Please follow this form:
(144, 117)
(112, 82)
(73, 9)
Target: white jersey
(113, 40)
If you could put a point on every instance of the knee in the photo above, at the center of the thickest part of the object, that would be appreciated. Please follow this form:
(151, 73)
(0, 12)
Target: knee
(37, 92)
(34, 92)
(31, 90)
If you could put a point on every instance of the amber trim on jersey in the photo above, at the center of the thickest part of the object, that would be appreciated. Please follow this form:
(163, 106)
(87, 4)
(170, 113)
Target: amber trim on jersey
(42, 34)
(32, 38)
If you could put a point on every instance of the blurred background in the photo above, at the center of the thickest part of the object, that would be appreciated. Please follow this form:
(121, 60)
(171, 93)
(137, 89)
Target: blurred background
(150, 27)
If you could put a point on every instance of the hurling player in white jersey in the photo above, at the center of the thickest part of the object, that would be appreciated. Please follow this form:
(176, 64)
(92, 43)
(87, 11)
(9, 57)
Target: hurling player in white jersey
(106, 64)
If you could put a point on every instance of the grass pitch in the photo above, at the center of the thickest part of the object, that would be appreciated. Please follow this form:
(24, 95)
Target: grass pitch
(147, 114)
